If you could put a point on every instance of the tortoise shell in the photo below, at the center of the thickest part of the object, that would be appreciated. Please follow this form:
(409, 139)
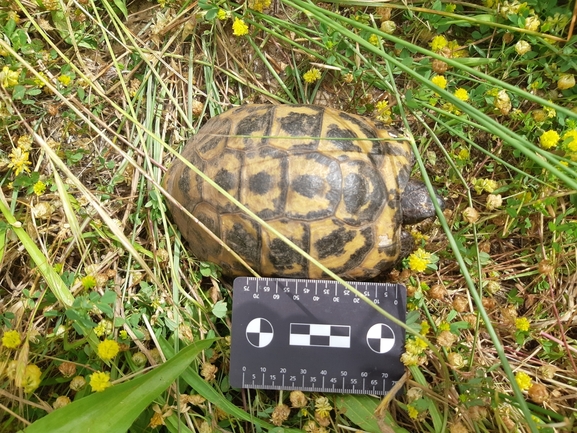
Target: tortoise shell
(328, 180)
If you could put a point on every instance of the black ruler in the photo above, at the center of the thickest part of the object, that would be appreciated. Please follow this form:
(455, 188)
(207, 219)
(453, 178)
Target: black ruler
(316, 335)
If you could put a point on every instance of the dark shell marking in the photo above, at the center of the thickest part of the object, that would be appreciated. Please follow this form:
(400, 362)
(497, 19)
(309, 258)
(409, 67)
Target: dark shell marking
(330, 181)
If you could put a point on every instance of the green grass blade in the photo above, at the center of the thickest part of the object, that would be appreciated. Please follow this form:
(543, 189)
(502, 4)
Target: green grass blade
(360, 409)
(55, 283)
(115, 409)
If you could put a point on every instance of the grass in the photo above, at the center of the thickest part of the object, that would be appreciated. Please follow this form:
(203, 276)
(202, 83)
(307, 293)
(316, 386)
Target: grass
(98, 97)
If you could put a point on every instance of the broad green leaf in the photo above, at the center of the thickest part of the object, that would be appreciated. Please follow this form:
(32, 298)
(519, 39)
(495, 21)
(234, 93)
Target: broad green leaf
(114, 410)
(219, 309)
(360, 409)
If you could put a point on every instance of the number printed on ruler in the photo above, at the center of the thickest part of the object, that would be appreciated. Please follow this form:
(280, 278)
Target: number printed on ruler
(316, 335)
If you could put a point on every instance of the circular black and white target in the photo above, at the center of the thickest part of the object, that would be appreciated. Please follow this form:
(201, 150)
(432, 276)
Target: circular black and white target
(259, 332)
(380, 338)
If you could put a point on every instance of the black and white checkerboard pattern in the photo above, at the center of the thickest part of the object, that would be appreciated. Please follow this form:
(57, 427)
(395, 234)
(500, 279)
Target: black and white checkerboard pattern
(314, 334)
(380, 338)
(259, 332)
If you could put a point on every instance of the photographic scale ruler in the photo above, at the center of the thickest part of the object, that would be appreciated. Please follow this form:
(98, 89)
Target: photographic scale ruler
(316, 335)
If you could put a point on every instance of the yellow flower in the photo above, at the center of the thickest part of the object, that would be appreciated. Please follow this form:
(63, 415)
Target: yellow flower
(14, 17)
(40, 81)
(222, 14)
(108, 349)
(522, 47)
(322, 407)
(31, 379)
(438, 43)
(39, 188)
(566, 81)
(440, 81)
(388, 27)
(8, 78)
(374, 40)
(239, 27)
(455, 49)
(462, 94)
(64, 79)
(419, 260)
(412, 411)
(463, 154)
(551, 112)
(123, 334)
(88, 282)
(444, 326)
(383, 111)
(19, 161)
(103, 327)
(11, 339)
(25, 142)
(415, 346)
(570, 139)
(99, 381)
(522, 324)
(549, 139)
(532, 23)
(312, 75)
(259, 5)
(487, 185)
(425, 327)
(523, 380)
(409, 359)
(503, 102)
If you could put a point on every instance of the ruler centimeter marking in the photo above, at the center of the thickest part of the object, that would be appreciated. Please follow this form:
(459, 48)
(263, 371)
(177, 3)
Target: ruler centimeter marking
(316, 335)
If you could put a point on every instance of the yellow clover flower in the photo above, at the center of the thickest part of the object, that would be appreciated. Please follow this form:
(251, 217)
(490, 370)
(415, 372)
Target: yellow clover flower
(522, 324)
(64, 79)
(532, 23)
(522, 47)
(462, 94)
(8, 78)
(259, 5)
(440, 81)
(383, 111)
(322, 407)
(549, 139)
(31, 379)
(19, 161)
(566, 81)
(107, 349)
(438, 43)
(99, 381)
(425, 327)
(222, 14)
(570, 138)
(412, 411)
(11, 339)
(239, 27)
(312, 75)
(523, 380)
(39, 188)
(12, 15)
(419, 260)
(374, 40)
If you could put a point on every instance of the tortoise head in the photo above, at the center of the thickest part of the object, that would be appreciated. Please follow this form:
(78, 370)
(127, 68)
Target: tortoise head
(416, 203)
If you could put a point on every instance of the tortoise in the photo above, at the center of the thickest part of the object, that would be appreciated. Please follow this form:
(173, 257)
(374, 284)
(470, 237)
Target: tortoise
(336, 184)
